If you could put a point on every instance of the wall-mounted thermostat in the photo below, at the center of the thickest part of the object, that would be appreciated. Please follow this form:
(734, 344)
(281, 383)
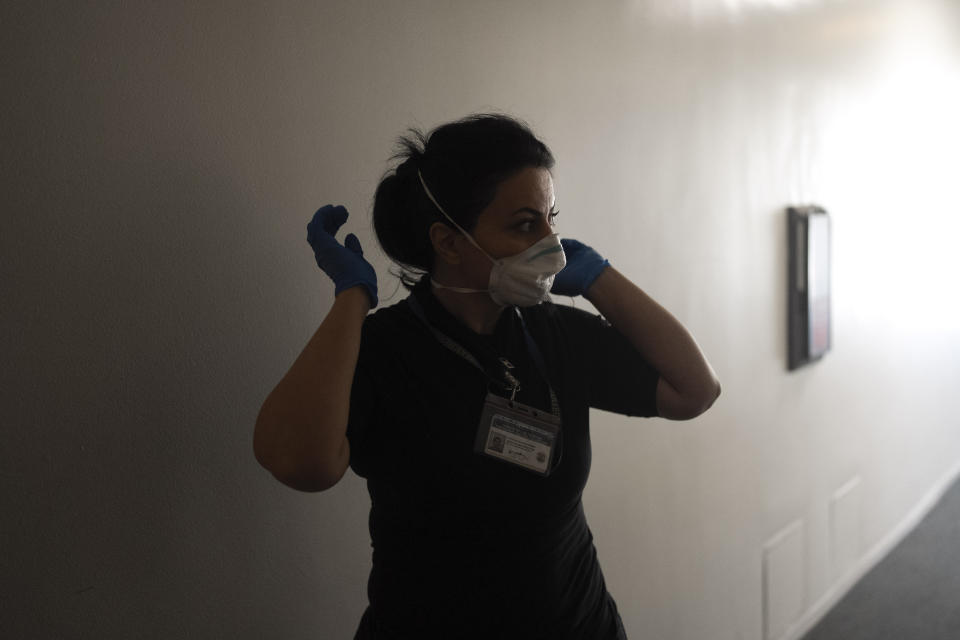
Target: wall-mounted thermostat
(809, 285)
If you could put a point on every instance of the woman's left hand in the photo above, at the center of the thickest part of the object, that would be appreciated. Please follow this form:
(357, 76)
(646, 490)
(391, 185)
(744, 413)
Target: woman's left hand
(584, 265)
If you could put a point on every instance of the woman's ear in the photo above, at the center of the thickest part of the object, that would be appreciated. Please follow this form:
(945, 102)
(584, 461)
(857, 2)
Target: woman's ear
(444, 241)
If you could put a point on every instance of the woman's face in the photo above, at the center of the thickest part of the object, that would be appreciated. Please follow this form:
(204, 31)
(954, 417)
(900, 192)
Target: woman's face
(521, 214)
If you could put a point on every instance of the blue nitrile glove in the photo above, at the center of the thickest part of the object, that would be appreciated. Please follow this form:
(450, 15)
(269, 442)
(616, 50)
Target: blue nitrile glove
(344, 263)
(584, 265)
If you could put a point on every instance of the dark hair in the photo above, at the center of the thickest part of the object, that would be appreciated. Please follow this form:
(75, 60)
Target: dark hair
(462, 164)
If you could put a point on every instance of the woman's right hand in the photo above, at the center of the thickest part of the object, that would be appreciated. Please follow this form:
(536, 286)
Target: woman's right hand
(344, 263)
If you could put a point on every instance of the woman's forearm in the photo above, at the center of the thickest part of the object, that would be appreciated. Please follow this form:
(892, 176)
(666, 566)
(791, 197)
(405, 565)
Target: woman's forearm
(688, 384)
(300, 434)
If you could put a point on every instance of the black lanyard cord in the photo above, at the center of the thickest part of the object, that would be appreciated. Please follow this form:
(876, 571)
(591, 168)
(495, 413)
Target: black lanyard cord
(455, 347)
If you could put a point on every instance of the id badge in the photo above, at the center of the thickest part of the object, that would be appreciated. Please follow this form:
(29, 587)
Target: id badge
(518, 434)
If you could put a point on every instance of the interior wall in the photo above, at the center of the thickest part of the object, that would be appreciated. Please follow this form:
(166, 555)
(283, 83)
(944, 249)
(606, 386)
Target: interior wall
(159, 166)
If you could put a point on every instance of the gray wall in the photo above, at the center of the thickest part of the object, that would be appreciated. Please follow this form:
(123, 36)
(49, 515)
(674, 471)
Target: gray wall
(160, 162)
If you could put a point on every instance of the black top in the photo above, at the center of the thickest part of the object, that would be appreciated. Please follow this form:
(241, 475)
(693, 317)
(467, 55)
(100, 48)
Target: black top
(466, 545)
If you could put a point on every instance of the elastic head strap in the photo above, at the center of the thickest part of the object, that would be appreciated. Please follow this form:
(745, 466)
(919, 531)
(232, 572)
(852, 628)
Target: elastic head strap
(452, 221)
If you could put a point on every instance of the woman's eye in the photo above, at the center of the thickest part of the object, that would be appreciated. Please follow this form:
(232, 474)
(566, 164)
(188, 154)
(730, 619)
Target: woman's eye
(528, 224)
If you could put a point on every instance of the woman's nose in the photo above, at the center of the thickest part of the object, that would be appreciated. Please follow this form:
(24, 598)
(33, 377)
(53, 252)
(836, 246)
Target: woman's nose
(546, 229)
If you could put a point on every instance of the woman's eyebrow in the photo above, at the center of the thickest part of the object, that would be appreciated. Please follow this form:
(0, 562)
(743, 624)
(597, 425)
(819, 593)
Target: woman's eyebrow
(527, 210)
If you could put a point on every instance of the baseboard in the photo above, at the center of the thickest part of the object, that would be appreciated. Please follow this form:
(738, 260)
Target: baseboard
(873, 557)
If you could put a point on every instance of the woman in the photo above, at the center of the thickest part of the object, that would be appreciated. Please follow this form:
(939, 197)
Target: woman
(466, 405)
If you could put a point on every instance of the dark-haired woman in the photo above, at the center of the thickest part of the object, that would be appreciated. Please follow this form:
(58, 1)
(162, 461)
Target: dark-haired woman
(466, 405)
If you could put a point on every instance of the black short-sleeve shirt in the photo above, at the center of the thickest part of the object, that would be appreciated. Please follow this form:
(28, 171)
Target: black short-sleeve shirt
(466, 545)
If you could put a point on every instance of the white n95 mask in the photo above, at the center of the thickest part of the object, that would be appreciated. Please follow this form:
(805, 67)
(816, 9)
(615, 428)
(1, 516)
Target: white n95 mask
(523, 279)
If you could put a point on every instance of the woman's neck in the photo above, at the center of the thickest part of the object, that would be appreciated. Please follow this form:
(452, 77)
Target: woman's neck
(477, 311)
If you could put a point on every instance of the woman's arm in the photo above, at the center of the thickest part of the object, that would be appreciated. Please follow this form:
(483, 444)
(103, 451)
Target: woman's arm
(300, 435)
(301, 432)
(688, 386)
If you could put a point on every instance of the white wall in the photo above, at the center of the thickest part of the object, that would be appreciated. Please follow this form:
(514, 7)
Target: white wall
(161, 160)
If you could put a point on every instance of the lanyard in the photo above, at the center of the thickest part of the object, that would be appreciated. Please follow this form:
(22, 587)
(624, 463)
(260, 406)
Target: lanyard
(455, 347)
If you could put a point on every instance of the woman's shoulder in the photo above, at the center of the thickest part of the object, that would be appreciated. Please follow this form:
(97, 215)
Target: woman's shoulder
(385, 321)
(563, 315)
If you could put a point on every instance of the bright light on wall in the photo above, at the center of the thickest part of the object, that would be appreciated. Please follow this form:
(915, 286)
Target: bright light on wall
(893, 153)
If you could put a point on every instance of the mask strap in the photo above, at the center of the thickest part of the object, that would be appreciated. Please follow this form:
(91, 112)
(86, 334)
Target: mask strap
(457, 289)
(452, 221)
